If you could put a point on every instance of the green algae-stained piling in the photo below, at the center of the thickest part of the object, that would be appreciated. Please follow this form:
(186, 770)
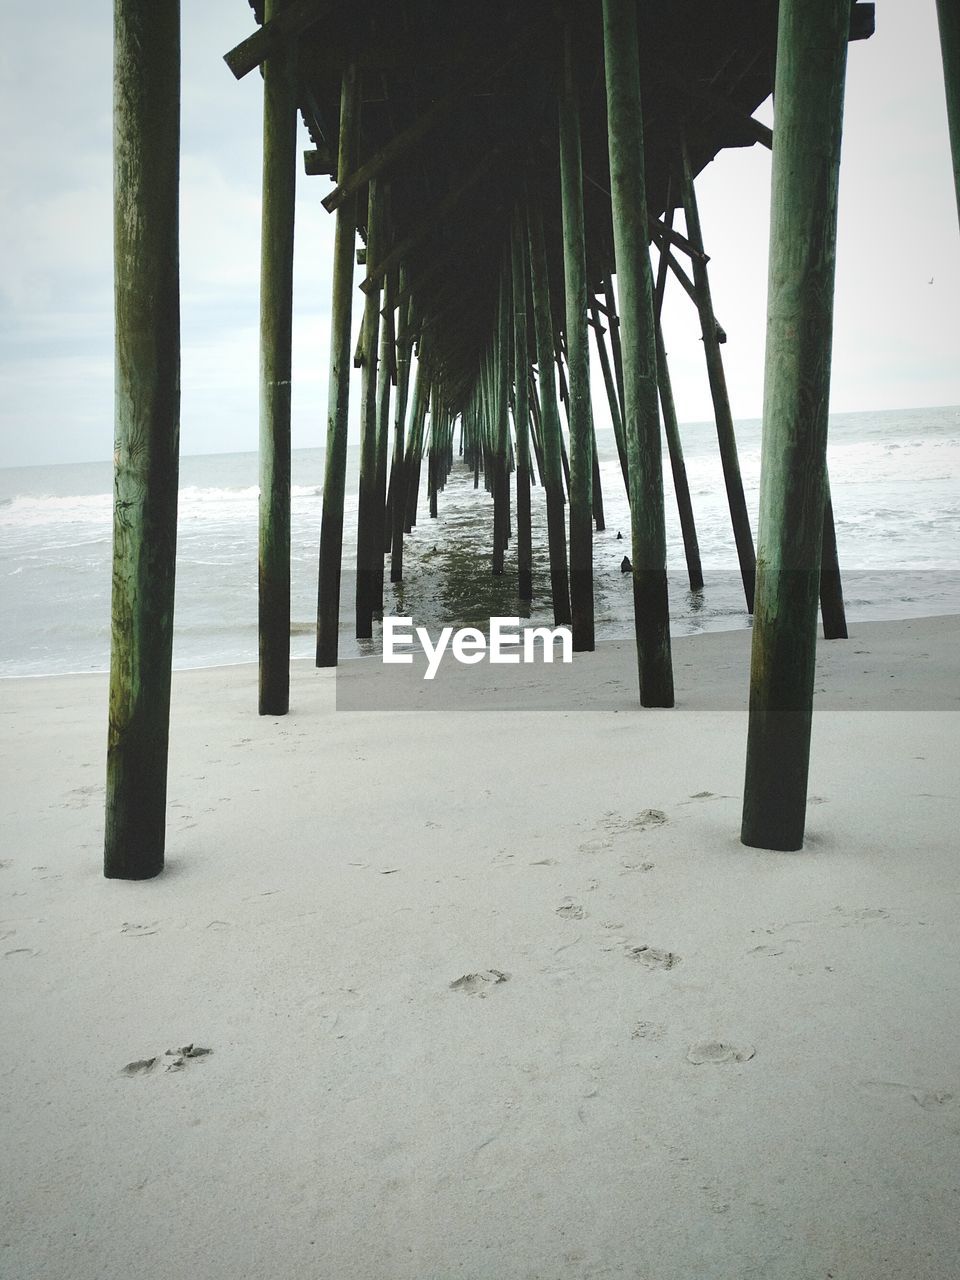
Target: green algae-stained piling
(688, 528)
(641, 418)
(147, 428)
(832, 609)
(811, 63)
(398, 482)
(578, 354)
(549, 415)
(948, 13)
(368, 548)
(521, 393)
(613, 402)
(381, 531)
(726, 435)
(338, 394)
(276, 337)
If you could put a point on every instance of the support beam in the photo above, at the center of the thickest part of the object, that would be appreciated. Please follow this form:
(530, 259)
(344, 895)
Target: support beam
(578, 354)
(811, 62)
(688, 528)
(368, 548)
(338, 395)
(948, 13)
(832, 609)
(276, 335)
(521, 365)
(635, 289)
(146, 176)
(398, 482)
(549, 416)
(282, 27)
(726, 435)
(388, 347)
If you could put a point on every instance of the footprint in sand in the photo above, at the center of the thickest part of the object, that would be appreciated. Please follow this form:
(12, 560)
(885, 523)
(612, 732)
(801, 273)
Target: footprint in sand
(653, 958)
(477, 984)
(928, 1099)
(719, 1051)
(861, 915)
(645, 820)
(178, 1060)
(648, 1031)
(571, 911)
(139, 1068)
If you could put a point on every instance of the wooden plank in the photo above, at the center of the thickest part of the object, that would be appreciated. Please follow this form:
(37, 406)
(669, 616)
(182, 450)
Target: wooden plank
(283, 26)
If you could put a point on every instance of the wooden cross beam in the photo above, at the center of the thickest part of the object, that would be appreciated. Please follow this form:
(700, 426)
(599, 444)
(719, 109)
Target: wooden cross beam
(288, 24)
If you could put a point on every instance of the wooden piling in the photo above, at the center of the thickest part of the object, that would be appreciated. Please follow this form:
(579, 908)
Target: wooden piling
(382, 533)
(338, 396)
(635, 288)
(521, 419)
(613, 401)
(398, 472)
(688, 528)
(811, 62)
(549, 415)
(948, 13)
(368, 548)
(276, 336)
(500, 372)
(832, 609)
(147, 428)
(726, 435)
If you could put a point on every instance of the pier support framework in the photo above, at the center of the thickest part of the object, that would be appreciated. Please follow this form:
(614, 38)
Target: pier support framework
(147, 430)
(811, 65)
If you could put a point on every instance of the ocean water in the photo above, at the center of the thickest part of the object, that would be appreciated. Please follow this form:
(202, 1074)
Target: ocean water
(894, 478)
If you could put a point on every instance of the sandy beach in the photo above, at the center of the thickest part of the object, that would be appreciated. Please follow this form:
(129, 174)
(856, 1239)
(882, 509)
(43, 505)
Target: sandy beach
(490, 995)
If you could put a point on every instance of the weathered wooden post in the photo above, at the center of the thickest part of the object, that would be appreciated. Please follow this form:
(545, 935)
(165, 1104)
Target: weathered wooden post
(382, 506)
(368, 548)
(338, 395)
(948, 12)
(276, 333)
(549, 416)
(688, 528)
(637, 336)
(811, 63)
(147, 430)
(521, 365)
(578, 354)
(613, 401)
(500, 373)
(398, 481)
(832, 609)
(726, 435)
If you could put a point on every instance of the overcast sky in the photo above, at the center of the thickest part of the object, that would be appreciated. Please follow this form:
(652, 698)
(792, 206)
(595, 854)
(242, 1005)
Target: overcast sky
(898, 288)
